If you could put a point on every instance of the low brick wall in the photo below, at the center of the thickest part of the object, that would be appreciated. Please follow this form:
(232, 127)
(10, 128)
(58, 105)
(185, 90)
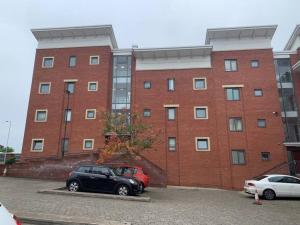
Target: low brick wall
(57, 169)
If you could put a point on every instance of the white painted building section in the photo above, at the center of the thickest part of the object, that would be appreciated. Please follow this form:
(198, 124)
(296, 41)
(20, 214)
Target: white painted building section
(240, 44)
(71, 42)
(173, 63)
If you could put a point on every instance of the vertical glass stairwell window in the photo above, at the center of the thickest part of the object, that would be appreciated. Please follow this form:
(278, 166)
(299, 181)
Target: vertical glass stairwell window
(68, 115)
(171, 84)
(121, 87)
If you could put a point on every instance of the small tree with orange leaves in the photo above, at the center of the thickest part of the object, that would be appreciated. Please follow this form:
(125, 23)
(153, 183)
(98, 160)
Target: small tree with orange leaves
(126, 134)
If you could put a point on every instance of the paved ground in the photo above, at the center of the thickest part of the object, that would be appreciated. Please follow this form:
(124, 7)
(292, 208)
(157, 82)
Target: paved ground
(168, 206)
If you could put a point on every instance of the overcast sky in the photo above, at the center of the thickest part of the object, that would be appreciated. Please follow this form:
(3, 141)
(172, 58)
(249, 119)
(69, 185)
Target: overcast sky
(147, 23)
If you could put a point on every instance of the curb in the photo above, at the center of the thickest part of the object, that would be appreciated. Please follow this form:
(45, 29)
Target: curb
(94, 195)
(194, 188)
(49, 219)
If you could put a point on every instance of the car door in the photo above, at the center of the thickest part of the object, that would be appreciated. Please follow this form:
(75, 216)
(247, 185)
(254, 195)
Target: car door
(84, 174)
(279, 186)
(294, 186)
(104, 181)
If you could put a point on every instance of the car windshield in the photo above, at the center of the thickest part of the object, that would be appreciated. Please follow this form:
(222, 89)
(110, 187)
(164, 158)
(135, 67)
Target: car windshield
(259, 178)
(111, 171)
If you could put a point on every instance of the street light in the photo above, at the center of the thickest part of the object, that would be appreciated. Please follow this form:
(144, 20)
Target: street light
(7, 140)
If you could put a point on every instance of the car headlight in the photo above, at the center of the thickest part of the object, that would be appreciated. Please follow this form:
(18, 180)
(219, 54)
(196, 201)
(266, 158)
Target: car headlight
(132, 181)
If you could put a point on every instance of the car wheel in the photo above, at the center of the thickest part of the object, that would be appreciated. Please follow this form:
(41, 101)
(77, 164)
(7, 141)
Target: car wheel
(142, 188)
(123, 190)
(73, 186)
(269, 194)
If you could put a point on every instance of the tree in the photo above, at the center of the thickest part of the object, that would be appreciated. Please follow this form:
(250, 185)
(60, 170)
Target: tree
(6, 149)
(126, 134)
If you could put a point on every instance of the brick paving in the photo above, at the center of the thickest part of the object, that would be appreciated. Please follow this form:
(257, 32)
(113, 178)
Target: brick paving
(168, 206)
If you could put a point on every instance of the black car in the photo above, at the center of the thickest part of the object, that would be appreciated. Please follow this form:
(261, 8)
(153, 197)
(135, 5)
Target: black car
(101, 179)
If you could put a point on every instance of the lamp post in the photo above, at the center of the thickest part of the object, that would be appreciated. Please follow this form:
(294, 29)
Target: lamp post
(7, 140)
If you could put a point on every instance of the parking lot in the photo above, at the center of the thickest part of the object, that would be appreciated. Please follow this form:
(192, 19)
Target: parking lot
(167, 206)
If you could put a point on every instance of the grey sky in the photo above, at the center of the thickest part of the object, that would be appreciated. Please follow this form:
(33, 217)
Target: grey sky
(148, 23)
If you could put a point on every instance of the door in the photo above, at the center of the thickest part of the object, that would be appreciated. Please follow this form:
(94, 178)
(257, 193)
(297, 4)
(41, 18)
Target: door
(279, 186)
(84, 174)
(294, 186)
(102, 179)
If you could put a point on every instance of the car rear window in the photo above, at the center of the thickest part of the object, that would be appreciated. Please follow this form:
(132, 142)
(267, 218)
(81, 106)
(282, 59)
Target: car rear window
(260, 178)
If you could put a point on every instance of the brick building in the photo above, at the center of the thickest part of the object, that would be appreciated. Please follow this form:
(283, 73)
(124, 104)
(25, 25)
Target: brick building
(225, 111)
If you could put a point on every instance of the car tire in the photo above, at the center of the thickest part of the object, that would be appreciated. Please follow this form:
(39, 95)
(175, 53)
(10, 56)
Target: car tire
(269, 194)
(74, 186)
(142, 188)
(123, 190)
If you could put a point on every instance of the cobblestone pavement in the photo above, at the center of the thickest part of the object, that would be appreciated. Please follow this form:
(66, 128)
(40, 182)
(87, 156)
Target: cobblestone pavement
(168, 206)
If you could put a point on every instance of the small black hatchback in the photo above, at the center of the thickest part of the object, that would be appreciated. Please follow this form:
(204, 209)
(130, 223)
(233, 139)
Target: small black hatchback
(101, 179)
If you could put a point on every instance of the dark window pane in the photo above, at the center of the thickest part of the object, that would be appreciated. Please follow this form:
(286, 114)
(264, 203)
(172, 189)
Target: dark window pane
(202, 144)
(70, 87)
(37, 145)
(265, 156)
(235, 124)
(147, 84)
(238, 157)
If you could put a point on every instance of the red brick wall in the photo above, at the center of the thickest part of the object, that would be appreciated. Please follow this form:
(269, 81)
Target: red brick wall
(52, 130)
(214, 168)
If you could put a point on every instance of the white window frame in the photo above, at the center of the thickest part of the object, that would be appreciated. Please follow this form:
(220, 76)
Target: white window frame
(40, 85)
(92, 56)
(37, 139)
(208, 144)
(84, 148)
(36, 113)
(200, 107)
(86, 114)
(93, 82)
(199, 78)
(47, 57)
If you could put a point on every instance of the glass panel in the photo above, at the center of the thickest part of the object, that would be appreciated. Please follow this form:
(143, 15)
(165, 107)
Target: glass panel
(233, 65)
(202, 144)
(265, 156)
(48, 62)
(171, 113)
(235, 159)
(227, 65)
(233, 94)
(92, 86)
(258, 92)
(235, 124)
(200, 113)
(199, 84)
(72, 61)
(254, 63)
(88, 144)
(70, 87)
(94, 60)
(41, 116)
(44, 88)
(172, 143)
(147, 84)
(37, 145)
(65, 145)
(171, 84)
(91, 114)
(147, 112)
(68, 115)
(261, 123)
(241, 157)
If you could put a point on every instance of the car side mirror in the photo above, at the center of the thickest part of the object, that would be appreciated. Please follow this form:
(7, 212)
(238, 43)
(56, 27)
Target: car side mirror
(106, 174)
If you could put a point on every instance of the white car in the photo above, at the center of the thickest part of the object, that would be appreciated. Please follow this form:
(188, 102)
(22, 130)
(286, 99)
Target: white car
(272, 186)
(6, 218)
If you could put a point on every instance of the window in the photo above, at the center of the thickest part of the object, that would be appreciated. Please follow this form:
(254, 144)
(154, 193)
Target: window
(88, 144)
(37, 145)
(100, 170)
(233, 94)
(265, 156)
(202, 144)
(41, 115)
(72, 61)
(94, 60)
(147, 112)
(172, 143)
(258, 92)
(230, 65)
(68, 115)
(70, 87)
(48, 62)
(171, 84)
(93, 86)
(276, 179)
(261, 123)
(238, 157)
(90, 114)
(200, 112)
(199, 83)
(147, 85)
(44, 88)
(235, 124)
(84, 169)
(65, 145)
(254, 63)
(171, 113)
